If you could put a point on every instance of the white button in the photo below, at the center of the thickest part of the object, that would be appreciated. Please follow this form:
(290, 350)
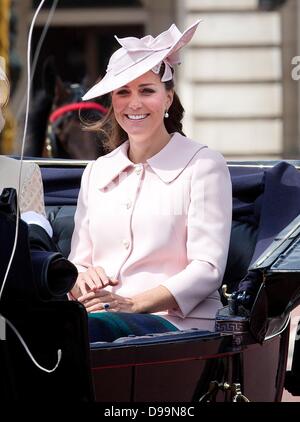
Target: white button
(126, 244)
(138, 168)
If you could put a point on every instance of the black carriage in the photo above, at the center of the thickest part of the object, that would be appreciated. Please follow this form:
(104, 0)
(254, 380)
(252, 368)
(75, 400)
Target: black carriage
(243, 359)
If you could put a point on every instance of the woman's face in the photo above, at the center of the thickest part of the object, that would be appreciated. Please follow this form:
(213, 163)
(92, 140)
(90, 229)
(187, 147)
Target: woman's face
(140, 106)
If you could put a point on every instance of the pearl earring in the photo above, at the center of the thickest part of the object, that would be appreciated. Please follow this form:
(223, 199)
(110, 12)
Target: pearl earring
(166, 114)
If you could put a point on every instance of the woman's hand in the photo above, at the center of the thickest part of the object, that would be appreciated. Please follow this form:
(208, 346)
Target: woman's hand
(103, 300)
(154, 300)
(93, 279)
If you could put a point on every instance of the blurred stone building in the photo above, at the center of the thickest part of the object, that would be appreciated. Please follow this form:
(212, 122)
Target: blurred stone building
(235, 81)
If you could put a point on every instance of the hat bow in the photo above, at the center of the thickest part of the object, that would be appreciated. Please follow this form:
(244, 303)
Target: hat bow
(138, 49)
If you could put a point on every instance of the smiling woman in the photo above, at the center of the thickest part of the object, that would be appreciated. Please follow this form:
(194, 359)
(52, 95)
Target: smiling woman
(153, 217)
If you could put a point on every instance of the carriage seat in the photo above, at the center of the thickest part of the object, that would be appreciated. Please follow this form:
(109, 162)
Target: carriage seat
(242, 242)
(61, 219)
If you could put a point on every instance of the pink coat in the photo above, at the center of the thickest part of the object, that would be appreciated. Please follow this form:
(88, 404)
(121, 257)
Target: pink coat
(165, 222)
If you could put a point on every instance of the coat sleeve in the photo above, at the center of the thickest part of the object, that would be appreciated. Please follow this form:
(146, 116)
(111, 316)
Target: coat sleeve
(81, 244)
(208, 233)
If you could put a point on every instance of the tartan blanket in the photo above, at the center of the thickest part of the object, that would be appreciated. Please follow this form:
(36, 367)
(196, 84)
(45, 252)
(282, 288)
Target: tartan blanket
(109, 326)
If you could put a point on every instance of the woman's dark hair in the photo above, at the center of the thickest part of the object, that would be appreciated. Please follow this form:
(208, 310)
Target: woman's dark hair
(113, 133)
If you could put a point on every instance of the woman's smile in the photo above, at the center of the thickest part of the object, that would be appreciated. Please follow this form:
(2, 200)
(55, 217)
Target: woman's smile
(136, 117)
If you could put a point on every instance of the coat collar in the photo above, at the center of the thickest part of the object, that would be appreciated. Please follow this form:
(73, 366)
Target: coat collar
(167, 163)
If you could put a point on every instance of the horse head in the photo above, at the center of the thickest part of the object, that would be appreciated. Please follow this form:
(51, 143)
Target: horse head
(55, 127)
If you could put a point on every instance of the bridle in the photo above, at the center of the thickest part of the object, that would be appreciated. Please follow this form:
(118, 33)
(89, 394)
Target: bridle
(65, 112)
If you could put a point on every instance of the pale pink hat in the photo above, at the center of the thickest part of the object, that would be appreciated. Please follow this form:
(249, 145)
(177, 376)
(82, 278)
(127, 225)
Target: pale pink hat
(4, 85)
(139, 55)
